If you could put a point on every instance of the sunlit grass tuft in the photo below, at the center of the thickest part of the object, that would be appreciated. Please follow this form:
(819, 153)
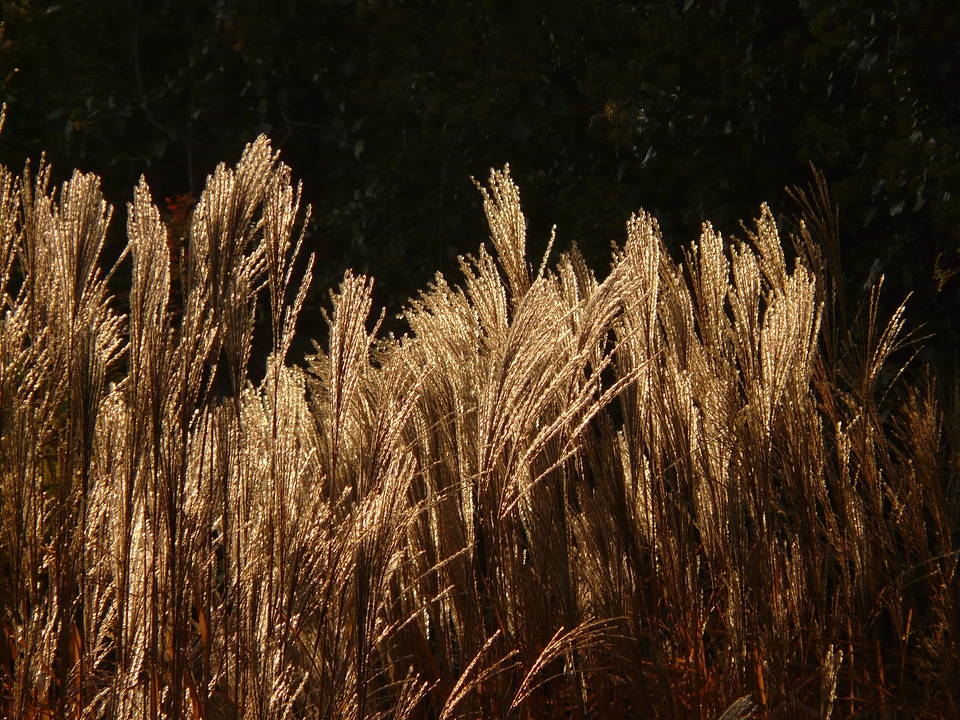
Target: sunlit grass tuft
(685, 490)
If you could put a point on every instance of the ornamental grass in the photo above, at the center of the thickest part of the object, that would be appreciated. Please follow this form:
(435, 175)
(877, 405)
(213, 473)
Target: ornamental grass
(695, 489)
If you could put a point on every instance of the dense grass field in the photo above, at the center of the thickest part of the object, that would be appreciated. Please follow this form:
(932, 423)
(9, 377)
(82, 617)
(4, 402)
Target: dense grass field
(688, 490)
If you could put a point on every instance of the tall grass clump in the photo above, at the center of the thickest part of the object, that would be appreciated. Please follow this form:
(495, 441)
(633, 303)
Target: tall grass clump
(688, 490)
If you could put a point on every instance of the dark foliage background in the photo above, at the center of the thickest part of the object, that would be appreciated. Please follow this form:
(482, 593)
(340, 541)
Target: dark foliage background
(692, 109)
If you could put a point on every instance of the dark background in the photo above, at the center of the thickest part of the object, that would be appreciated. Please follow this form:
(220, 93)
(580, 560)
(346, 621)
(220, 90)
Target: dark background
(691, 109)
